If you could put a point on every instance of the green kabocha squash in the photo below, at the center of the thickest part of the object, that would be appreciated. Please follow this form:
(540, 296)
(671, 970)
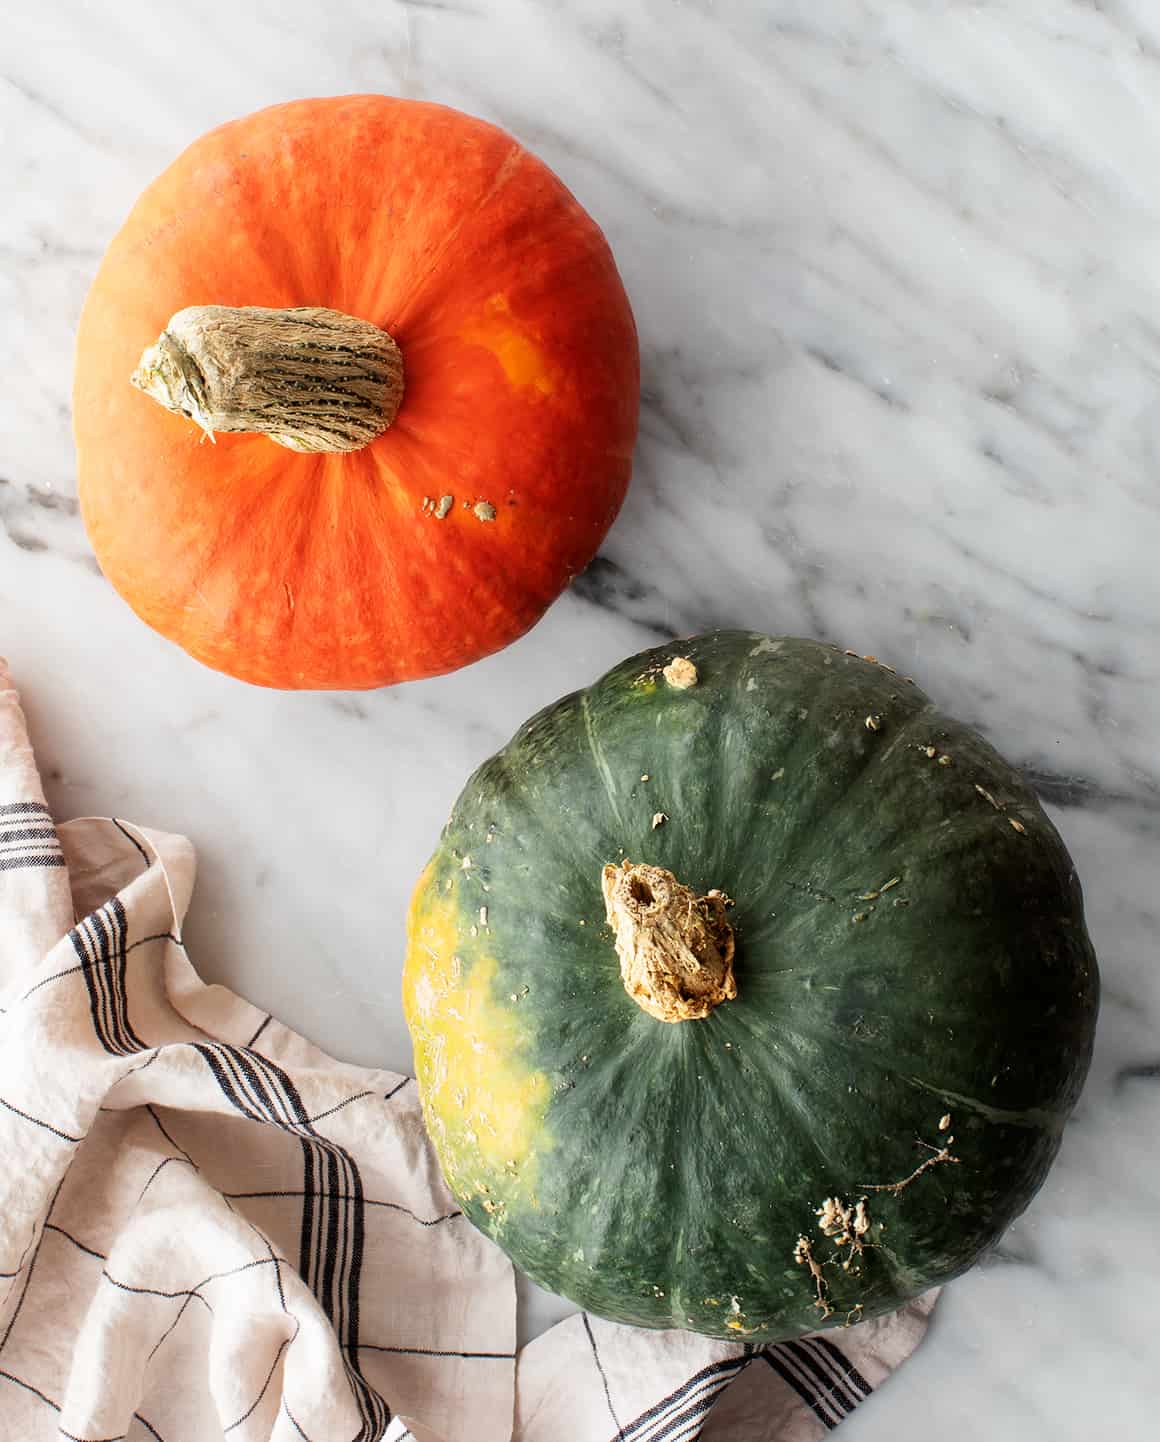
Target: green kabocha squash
(748, 993)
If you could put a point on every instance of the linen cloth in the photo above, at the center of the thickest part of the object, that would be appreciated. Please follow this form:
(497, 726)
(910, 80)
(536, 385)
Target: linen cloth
(211, 1230)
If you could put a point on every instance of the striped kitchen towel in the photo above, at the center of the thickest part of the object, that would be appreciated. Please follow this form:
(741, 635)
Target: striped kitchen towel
(211, 1230)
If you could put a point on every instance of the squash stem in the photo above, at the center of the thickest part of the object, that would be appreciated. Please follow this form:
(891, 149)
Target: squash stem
(311, 379)
(675, 947)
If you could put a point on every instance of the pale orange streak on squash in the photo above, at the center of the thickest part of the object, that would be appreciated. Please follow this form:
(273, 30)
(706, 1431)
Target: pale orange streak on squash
(523, 361)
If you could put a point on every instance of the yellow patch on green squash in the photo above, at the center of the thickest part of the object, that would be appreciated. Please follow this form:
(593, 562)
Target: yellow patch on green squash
(484, 1105)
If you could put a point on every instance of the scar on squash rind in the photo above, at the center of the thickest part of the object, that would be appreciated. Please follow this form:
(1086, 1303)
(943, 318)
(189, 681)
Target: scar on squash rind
(680, 673)
(845, 1226)
(736, 1319)
(803, 1255)
(938, 1156)
(875, 893)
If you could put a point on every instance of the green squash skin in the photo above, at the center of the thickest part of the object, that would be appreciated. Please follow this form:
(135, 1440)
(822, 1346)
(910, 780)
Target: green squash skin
(671, 1169)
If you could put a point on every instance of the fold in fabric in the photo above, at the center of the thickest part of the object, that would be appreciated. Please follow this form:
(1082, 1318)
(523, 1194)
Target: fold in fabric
(209, 1229)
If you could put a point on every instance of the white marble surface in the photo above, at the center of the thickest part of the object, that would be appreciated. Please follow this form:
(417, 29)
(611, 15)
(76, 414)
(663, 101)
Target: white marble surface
(896, 267)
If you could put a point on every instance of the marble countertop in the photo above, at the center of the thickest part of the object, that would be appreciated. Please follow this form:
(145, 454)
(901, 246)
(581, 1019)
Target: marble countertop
(895, 269)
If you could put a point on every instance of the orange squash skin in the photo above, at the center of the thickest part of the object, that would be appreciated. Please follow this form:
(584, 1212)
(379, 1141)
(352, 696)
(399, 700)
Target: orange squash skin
(522, 391)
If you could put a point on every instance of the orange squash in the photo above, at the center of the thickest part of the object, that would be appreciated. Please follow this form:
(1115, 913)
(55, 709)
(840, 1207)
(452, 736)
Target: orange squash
(399, 387)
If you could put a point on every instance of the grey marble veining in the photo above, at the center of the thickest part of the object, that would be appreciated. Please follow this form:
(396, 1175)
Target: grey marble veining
(894, 265)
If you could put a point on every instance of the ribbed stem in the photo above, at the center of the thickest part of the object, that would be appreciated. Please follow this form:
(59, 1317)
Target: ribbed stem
(675, 947)
(309, 378)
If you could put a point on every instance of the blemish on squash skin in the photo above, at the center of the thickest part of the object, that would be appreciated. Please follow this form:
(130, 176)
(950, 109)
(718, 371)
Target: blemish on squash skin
(846, 1225)
(736, 1318)
(522, 361)
(938, 1155)
(680, 673)
(803, 1255)
(876, 892)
